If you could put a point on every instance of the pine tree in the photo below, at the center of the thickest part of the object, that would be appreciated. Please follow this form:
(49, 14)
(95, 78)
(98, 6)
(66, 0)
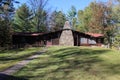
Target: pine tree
(22, 19)
(71, 16)
(40, 15)
(57, 20)
(6, 11)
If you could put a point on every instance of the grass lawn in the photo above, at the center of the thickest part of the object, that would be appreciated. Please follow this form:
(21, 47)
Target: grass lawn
(73, 63)
(10, 57)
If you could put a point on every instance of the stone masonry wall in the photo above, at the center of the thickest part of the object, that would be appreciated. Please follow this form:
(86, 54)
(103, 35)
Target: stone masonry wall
(66, 38)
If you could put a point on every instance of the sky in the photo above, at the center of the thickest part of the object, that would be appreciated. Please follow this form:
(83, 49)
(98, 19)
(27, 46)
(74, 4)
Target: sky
(64, 5)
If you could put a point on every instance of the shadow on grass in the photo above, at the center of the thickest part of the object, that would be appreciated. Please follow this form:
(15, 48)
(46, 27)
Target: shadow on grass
(58, 64)
(77, 51)
(10, 54)
(113, 69)
(12, 50)
(9, 77)
(15, 57)
(15, 54)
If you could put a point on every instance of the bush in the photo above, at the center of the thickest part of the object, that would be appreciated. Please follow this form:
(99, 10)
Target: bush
(117, 41)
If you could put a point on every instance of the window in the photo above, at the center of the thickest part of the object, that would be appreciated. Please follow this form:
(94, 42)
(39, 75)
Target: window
(84, 40)
(91, 41)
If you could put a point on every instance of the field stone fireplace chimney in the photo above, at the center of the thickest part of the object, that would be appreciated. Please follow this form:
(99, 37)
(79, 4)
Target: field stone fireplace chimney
(66, 38)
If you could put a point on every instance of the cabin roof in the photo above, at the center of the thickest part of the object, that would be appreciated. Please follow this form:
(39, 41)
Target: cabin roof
(28, 33)
(95, 34)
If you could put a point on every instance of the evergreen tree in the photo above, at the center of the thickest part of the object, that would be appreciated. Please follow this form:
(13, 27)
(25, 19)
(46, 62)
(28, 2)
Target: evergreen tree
(6, 12)
(7, 9)
(5, 34)
(71, 16)
(22, 19)
(40, 15)
(57, 20)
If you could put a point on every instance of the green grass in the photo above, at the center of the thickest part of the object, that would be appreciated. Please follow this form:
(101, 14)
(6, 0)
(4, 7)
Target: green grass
(10, 57)
(73, 63)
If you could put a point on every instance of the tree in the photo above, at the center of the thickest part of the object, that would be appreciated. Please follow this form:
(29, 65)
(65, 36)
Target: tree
(97, 18)
(116, 19)
(117, 41)
(40, 15)
(101, 21)
(57, 20)
(7, 8)
(5, 34)
(72, 16)
(22, 19)
(84, 18)
(71, 13)
(116, 14)
(6, 12)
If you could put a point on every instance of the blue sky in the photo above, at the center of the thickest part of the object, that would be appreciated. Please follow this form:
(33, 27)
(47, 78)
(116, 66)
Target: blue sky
(64, 5)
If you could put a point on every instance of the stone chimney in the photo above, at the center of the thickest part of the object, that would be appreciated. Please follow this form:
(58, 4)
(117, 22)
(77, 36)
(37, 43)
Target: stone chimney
(66, 38)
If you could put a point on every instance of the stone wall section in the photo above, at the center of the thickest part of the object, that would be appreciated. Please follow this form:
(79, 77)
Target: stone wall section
(66, 38)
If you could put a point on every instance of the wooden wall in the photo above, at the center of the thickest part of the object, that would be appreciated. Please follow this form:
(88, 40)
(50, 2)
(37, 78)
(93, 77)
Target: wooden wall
(78, 36)
(52, 38)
